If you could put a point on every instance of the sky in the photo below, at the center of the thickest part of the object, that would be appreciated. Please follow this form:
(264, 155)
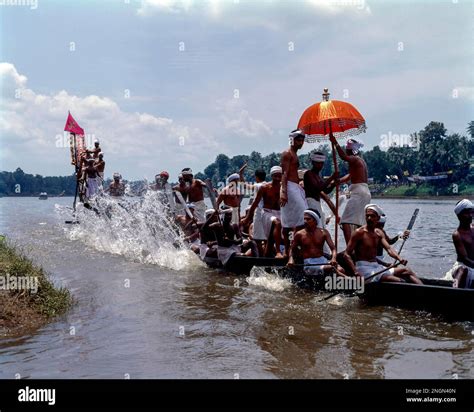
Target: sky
(168, 84)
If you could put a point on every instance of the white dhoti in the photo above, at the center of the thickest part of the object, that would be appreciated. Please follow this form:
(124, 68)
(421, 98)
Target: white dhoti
(315, 270)
(354, 213)
(316, 205)
(470, 275)
(235, 214)
(203, 248)
(258, 232)
(225, 253)
(292, 214)
(92, 186)
(200, 210)
(367, 269)
(268, 217)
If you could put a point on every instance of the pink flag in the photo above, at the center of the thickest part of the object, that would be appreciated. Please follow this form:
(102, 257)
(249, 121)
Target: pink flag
(72, 126)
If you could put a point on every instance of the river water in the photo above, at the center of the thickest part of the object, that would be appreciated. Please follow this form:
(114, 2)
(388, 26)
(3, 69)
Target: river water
(147, 310)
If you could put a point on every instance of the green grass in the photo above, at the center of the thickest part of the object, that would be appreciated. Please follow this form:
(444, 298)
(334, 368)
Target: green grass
(426, 190)
(47, 302)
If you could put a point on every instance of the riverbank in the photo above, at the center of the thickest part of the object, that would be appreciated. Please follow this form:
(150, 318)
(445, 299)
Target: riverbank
(425, 191)
(28, 298)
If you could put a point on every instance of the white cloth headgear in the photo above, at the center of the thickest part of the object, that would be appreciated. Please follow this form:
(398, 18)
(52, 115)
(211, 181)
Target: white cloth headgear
(296, 133)
(377, 209)
(462, 205)
(317, 157)
(96, 141)
(354, 145)
(187, 171)
(315, 215)
(275, 169)
(383, 219)
(232, 177)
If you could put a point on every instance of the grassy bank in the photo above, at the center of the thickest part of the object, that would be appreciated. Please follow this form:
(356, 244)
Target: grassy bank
(28, 298)
(427, 191)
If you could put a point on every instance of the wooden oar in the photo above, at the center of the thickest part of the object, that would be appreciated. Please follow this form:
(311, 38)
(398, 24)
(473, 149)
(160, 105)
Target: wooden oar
(212, 196)
(183, 203)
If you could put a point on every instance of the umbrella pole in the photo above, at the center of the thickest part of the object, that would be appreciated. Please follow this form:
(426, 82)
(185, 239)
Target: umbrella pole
(336, 171)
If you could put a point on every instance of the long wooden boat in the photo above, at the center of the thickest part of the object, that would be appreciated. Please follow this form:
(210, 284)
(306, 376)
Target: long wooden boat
(435, 295)
(242, 265)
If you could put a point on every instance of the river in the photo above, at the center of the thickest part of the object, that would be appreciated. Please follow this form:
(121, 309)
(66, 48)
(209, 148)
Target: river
(144, 309)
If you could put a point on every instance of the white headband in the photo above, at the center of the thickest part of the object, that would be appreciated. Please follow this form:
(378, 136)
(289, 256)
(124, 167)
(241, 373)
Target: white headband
(462, 205)
(314, 215)
(316, 157)
(232, 177)
(187, 172)
(354, 145)
(275, 169)
(383, 219)
(377, 209)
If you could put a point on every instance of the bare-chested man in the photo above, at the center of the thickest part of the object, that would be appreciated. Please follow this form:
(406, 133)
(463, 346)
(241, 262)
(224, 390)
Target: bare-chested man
(193, 191)
(364, 243)
(269, 193)
(231, 194)
(100, 166)
(463, 239)
(116, 188)
(190, 228)
(316, 188)
(90, 176)
(166, 195)
(309, 244)
(354, 213)
(292, 197)
(96, 150)
(208, 246)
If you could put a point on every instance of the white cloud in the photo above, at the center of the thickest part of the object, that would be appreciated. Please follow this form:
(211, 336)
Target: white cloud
(141, 143)
(237, 120)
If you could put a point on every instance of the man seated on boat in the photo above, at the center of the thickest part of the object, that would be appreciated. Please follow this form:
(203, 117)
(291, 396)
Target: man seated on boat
(391, 241)
(190, 228)
(116, 188)
(193, 191)
(208, 245)
(230, 196)
(363, 245)
(463, 239)
(96, 150)
(229, 239)
(271, 217)
(353, 216)
(309, 244)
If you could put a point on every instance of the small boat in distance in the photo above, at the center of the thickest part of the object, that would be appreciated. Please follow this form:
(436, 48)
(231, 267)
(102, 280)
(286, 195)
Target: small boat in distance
(43, 196)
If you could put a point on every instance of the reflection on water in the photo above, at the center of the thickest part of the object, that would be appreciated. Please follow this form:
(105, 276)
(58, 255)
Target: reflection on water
(178, 319)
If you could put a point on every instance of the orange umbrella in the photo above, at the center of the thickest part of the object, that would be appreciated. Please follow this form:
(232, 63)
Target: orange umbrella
(327, 117)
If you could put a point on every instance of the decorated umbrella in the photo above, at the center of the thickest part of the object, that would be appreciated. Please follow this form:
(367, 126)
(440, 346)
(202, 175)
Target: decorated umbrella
(331, 117)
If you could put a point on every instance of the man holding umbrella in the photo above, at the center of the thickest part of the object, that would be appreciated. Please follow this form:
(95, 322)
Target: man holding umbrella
(292, 196)
(354, 213)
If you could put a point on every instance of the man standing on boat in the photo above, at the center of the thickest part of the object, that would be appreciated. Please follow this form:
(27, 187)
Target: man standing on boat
(364, 243)
(100, 166)
(96, 150)
(269, 193)
(292, 196)
(354, 213)
(463, 239)
(90, 176)
(231, 194)
(309, 243)
(193, 191)
(316, 187)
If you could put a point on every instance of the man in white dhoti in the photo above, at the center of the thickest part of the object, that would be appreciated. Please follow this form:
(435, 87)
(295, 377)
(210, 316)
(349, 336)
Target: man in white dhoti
(462, 271)
(90, 176)
(354, 213)
(292, 196)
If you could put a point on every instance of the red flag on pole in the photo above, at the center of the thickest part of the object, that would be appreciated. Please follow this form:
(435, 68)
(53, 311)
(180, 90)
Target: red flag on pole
(77, 142)
(72, 126)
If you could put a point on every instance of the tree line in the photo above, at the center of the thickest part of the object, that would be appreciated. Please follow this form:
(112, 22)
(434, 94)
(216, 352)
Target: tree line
(429, 152)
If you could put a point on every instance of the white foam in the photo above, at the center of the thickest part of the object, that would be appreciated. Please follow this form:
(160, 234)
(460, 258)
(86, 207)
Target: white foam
(271, 281)
(137, 228)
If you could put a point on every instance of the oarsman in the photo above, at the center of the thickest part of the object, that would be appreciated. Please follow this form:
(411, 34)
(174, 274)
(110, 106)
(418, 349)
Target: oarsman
(354, 213)
(96, 150)
(231, 195)
(90, 176)
(292, 197)
(180, 187)
(162, 186)
(100, 166)
(229, 239)
(258, 233)
(317, 188)
(116, 188)
(208, 246)
(190, 228)
(363, 245)
(463, 239)
(309, 244)
(195, 193)
(391, 241)
(269, 193)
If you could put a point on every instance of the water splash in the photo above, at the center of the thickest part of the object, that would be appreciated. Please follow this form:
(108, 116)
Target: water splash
(268, 280)
(138, 228)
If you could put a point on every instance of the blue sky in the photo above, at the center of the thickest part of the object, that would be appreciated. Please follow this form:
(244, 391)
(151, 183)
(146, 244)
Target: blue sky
(156, 80)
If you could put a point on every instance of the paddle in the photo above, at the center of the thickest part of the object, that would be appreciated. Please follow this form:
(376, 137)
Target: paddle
(212, 196)
(183, 203)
